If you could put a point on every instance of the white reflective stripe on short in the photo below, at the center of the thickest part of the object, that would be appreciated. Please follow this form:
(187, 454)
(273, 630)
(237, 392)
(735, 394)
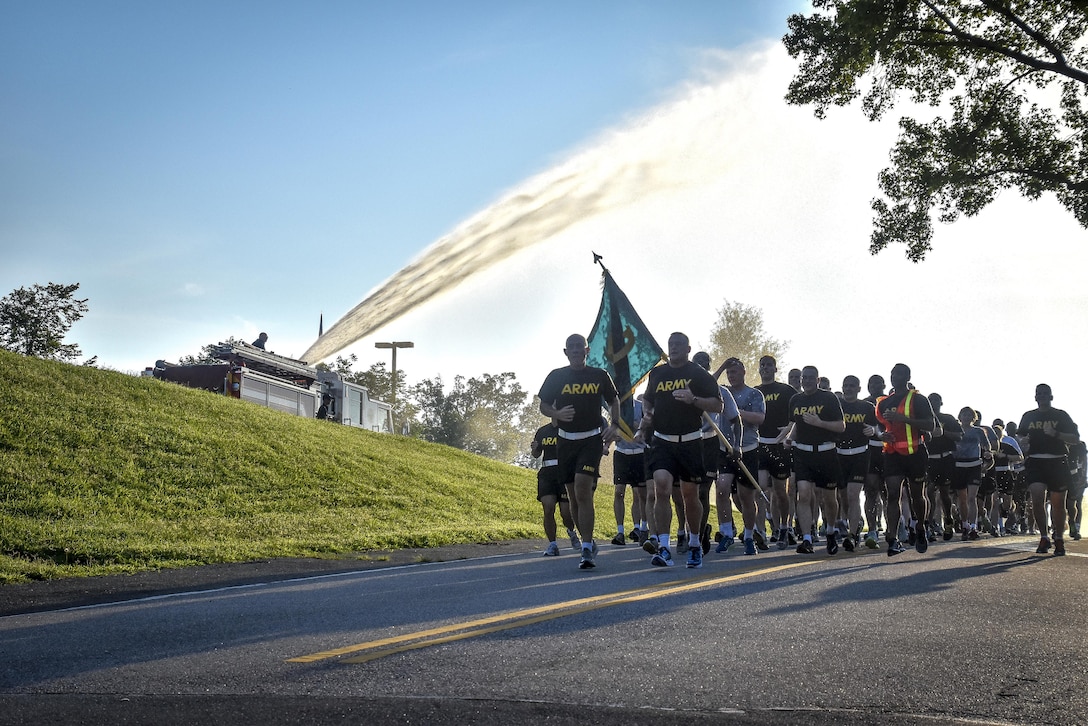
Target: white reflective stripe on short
(765, 440)
(1002, 468)
(678, 438)
(966, 464)
(876, 443)
(826, 446)
(576, 435)
(550, 462)
(745, 450)
(853, 451)
(1045, 456)
(710, 434)
(941, 455)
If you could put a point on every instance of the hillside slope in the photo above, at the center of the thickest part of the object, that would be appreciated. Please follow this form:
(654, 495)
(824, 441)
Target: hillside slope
(106, 472)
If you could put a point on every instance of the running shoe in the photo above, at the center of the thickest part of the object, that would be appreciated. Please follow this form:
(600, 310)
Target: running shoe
(650, 545)
(718, 536)
(791, 539)
(575, 543)
(966, 535)
(805, 548)
(761, 541)
(587, 562)
(782, 543)
(832, 543)
(552, 551)
(973, 534)
(695, 558)
(619, 540)
(848, 543)
(896, 548)
(870, 541)
(1059, 547)
(921, 542)
(1074, 532)
(749, 546)
(725, 544)
(947, 532)
(682, 543)
(593, 548)
(911, 538)
(1044, 546)
(663, 558)
(704, 540)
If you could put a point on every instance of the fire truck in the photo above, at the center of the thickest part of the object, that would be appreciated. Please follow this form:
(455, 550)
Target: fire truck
(292, 386)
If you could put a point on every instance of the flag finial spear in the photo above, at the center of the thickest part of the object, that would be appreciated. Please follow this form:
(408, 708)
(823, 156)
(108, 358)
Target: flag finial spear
(597, 261)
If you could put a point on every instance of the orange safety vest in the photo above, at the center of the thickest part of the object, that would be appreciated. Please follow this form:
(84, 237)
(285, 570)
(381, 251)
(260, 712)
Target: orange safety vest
(907, 438)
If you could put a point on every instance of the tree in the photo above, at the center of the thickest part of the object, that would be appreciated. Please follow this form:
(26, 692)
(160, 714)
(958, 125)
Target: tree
(989, 63)
(487, 415)
(739, 333)
(206, 356)
(34, 321)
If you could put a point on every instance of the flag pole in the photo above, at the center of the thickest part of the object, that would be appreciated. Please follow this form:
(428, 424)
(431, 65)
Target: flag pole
(729, 448)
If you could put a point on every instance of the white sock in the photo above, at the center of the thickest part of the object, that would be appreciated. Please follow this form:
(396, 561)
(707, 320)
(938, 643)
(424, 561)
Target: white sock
(663, 540)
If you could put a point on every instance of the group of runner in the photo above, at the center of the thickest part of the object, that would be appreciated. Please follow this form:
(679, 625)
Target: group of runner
(789, 455)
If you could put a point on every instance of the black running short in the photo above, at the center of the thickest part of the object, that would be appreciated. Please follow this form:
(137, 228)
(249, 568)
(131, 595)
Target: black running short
(1052, 472)
(940, 470)
(910, 466)
(547, 484)
(965, 476)
(581, 456)
(629, 469)
(683, 460)
(854, 467)
(728, 465)
(775, 459)
(819, 467)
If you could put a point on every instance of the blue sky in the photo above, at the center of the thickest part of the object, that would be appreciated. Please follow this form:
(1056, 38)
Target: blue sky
(207, 170)
(192, 163)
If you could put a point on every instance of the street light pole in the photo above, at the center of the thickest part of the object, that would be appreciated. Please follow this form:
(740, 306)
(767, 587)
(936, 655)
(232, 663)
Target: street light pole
(394, 345)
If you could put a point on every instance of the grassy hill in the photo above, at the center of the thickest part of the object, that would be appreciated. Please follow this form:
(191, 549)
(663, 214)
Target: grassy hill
(104, 472)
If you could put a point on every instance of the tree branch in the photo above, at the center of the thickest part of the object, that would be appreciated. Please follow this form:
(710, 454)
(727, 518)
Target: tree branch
(975, 41)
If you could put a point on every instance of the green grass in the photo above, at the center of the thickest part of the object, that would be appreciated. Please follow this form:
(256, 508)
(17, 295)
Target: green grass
(102, 472)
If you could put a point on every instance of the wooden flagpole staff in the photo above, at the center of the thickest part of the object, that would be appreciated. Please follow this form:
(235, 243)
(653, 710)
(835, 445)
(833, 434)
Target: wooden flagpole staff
(729, 448)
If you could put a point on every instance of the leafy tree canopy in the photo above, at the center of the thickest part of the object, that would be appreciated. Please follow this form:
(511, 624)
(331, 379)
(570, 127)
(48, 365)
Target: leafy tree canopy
(738, 332)
(487, 415)
(1010, 77)
(34, 321)
(206, 356)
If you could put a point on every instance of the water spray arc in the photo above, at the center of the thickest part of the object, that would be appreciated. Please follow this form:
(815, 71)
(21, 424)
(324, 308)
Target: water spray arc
(678, 145)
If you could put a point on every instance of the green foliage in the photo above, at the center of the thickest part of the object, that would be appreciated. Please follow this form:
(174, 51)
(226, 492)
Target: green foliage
(738, 332)
(34, 321)
(103, 472)
(486, 415)
(207, 353)
(1011, 77)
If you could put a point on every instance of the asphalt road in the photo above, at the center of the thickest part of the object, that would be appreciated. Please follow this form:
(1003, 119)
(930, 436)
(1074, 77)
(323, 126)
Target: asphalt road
(984, 632)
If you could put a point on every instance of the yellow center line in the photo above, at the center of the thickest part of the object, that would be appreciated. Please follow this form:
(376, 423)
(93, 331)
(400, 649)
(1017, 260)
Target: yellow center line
(528, 616)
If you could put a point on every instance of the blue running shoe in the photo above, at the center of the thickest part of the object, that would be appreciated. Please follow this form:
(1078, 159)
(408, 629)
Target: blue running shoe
(695, 558)
(749, 546)
(663, 558)
(724, 544)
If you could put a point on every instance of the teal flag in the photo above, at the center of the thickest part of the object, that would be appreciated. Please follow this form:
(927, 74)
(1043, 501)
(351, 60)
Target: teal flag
(621, 344)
